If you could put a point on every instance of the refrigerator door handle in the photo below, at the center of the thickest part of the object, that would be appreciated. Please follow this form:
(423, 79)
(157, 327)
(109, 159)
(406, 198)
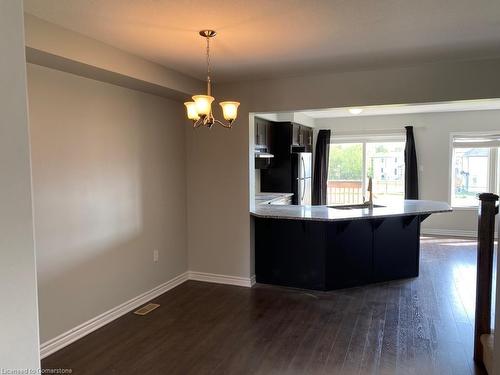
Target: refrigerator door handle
(303, 192)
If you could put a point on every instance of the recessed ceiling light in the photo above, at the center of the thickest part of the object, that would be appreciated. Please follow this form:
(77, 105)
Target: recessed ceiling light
(355, 111)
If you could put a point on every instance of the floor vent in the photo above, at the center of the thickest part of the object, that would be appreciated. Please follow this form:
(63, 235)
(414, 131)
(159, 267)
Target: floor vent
(146, 309)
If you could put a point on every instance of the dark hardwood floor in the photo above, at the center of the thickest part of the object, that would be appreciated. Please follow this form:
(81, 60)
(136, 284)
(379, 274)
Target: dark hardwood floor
(414, 326)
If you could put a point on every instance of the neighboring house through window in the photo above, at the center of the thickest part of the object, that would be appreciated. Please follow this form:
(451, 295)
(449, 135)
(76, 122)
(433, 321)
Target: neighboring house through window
(474, 167)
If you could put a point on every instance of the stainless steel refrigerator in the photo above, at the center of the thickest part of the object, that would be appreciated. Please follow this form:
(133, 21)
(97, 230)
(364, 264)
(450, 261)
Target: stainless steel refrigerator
(302, 177)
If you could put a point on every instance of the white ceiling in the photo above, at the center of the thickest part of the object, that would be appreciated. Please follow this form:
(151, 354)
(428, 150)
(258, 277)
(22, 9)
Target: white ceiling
(264, 38)
(399, 109)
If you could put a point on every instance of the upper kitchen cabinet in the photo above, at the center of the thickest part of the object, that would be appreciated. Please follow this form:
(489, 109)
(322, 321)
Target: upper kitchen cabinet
(262, 129)
(296, 135)
(282, 138)
(302, 136)
(308, 138)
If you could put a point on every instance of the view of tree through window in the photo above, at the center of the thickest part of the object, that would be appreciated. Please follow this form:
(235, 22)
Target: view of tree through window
(351, 164)
(345, 173)
(346, 161)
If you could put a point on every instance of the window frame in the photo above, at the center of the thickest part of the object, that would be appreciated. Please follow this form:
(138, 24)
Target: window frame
(493, 166)
(364, 139)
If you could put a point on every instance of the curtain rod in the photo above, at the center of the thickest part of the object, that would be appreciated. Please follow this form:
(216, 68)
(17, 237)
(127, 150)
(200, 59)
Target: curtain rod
(401, 129)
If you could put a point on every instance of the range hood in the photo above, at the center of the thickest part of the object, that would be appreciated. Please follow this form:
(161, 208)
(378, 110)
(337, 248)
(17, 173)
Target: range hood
(262, 157)
(262, 153)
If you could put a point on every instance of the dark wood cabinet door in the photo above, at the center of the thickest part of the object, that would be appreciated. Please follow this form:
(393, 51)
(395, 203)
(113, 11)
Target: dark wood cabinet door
(262, 132)
(302, 136)
(309, 139)
(290, 252)
(296, 135)
(348, 255)
(396, 249)
(256, 131)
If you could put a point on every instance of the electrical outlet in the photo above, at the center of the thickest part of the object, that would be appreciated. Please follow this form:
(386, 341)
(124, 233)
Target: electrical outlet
(155, 255)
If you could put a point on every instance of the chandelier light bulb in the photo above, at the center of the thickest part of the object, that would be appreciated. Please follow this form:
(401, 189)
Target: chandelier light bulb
(192, 113)
(203, 104)
(229, 110)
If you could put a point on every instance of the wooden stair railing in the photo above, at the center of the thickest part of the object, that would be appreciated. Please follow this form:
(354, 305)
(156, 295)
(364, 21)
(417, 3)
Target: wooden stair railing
(484, 275)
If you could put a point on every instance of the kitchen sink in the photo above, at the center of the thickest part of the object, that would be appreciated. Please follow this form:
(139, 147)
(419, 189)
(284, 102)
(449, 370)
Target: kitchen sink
(354, 206)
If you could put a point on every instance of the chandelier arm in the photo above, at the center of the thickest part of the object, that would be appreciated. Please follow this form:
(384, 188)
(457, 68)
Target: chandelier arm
(207, 120)
(227, 126)
(197, 123)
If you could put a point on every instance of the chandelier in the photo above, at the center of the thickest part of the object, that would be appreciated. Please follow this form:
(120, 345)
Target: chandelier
(200, 109)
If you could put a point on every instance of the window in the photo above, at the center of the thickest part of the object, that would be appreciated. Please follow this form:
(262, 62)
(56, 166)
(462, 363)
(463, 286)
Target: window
(345, 173)
(474, 166)
(389, 183)
(353, 160)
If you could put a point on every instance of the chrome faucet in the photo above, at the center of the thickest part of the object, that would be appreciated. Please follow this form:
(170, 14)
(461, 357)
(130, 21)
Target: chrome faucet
(369, 202)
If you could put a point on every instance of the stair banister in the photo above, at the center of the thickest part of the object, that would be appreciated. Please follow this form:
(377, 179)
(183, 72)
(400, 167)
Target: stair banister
(484, 275)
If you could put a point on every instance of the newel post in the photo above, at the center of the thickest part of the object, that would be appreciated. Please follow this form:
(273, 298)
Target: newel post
(484, 273)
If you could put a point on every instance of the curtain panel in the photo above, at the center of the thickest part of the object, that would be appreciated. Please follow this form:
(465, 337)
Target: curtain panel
(320, 177)
(411, 170)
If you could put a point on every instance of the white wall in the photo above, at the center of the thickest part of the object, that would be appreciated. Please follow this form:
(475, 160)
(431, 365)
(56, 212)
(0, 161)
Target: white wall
(432, 138)
(109, 187)
(219, 161)
(18, 311)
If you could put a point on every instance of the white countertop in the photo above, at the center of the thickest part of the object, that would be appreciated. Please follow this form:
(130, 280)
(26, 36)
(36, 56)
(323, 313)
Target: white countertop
(267, 198)
(325, 213)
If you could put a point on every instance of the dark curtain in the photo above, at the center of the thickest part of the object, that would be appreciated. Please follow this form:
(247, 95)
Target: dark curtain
(321, 167)
(411, 171)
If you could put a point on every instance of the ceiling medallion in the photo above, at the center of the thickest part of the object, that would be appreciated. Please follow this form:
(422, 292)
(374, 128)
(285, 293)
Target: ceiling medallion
(200, 109)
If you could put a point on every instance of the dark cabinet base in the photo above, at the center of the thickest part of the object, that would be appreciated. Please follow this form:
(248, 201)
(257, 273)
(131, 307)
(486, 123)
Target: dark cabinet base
(323, 255)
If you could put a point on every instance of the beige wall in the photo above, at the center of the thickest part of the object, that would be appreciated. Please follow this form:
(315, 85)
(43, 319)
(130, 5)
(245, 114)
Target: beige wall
(18, 299)
(53, 46)
(109, 187)
(219, 161)
(432, 138)
(217, 189)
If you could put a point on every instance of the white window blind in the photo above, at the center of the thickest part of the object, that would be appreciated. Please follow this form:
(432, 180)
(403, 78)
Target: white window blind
(476, 141)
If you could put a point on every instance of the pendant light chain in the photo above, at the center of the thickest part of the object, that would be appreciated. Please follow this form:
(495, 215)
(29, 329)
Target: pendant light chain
(209, 89)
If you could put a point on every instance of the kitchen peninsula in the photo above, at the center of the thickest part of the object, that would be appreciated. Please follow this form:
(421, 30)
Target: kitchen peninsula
(326, 248)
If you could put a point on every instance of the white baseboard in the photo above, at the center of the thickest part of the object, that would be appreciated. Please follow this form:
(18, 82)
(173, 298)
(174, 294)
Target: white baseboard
(74, 334)
(222, 279)
(252, 280)
(451, 232)
(59, 342)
